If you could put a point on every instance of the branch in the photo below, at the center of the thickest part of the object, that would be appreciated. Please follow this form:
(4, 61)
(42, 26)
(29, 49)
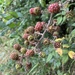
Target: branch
(49, 22)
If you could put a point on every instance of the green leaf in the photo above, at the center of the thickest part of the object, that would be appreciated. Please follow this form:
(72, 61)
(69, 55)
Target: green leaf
(72, 32)
(73, 24)
(2, 25)
(14, 14)
(42, 2)
(49, 57)
(10, 21)
(59, 20)
(65, 58)
(64, 19)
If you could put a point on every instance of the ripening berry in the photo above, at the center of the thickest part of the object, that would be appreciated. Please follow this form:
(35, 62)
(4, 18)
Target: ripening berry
(30, 38)
(29, 53)
(30, 30)
(17, 47)
(14, 56)
(28, 65)
(39, 26)
(46, 41)
(31, 11)
(54, 8)
(37, 10)
(25, 36)
(23, 50)
(18, 66)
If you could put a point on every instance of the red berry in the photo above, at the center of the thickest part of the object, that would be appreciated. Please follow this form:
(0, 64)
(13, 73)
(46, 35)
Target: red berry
(57, 44)
(25, 36)
(54, 8)
(14, 56)
(29, 53)
(39, 26)
(31, 11)
(17, 46)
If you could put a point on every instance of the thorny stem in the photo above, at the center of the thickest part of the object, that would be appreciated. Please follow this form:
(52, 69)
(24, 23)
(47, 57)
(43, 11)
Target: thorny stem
(49, 22)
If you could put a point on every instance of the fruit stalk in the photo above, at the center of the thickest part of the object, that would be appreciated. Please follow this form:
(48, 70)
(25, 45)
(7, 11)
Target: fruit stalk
(49, 23)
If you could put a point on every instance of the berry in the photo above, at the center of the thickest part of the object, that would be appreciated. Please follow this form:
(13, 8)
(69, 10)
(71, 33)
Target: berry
(46, 41)
(50, 29)
(37, 10)
(54, 8)
(30, 29)
(17, 47)
(30, 38)
(29, 53)
(55, 34)
(57, 44)
(31, 11)
(28, 65)
(42, 54)
(23, 50)
(14, 56)
(25, 36)
(39, 26)
(26, 42)
(18, 66)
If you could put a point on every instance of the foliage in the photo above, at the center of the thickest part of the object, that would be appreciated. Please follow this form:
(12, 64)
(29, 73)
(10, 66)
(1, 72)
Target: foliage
(48, 59)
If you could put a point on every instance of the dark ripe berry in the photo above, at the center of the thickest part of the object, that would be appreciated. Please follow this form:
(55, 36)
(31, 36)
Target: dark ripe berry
(31, 11)
(14, 56)
(29, 53)
(25, 36)
(23, 50)
(46, 41)
(28, 65)
(18, 66)
(54, 8)
(57, 44)
(37, 10)
(39, 26)
(17, 47)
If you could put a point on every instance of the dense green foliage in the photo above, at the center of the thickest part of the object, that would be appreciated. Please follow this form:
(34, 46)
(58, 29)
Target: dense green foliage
(15, 18)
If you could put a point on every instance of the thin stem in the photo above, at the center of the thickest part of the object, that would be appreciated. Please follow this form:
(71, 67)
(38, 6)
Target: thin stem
(49, 22)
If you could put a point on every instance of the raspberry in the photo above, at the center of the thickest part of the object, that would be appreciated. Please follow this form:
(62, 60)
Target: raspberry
(29, 53)
(14, 56)
(54, 8)
(25, 36)
(31, 11)
(30, 38)
(39, 26)
(57, 44)
(17, 47)
(18, 66)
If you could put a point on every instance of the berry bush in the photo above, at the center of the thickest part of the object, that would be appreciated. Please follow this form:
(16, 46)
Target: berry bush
(45, 33)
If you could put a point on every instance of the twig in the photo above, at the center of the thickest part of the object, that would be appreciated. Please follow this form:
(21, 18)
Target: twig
(49, 22)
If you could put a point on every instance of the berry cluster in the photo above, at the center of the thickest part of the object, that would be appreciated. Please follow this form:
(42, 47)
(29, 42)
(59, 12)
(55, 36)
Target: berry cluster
(34, 35)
